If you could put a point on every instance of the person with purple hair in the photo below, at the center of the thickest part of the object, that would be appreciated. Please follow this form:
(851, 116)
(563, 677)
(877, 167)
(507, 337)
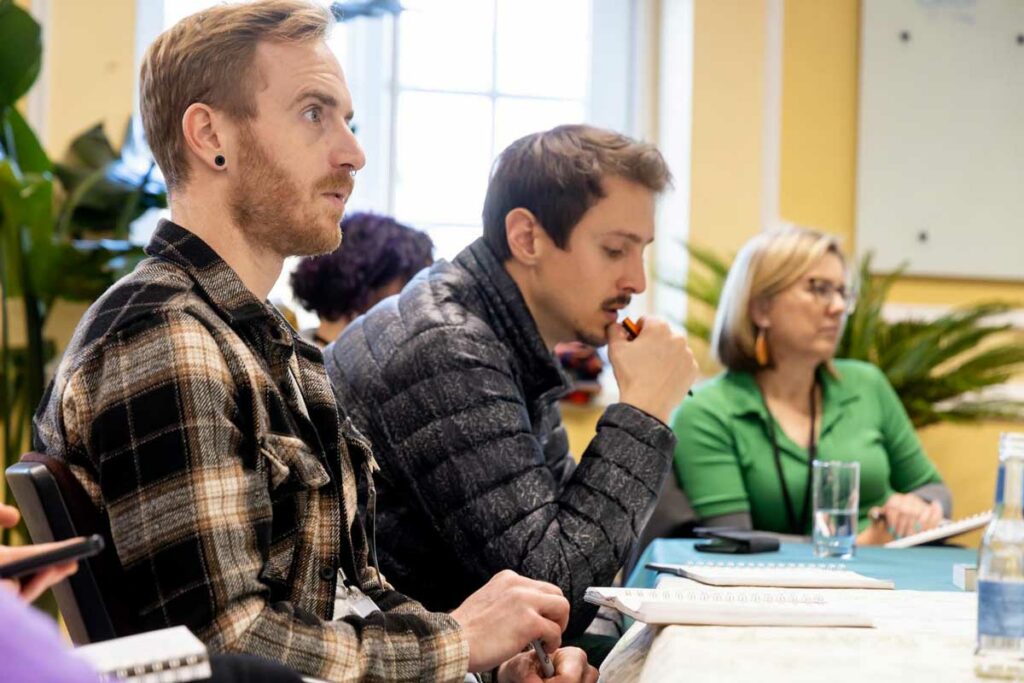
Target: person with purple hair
(378, 257)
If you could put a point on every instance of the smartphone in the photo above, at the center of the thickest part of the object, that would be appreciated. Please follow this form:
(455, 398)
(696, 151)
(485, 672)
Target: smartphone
(80, 549)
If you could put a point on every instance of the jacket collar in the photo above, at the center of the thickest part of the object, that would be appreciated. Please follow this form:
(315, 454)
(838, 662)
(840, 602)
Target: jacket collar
(502, 305)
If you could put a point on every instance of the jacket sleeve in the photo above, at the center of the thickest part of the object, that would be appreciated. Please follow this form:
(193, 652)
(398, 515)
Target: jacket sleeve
(459, 439)
(189, 503)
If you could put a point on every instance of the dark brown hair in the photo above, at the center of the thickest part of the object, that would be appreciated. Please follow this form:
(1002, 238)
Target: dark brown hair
(557, 174)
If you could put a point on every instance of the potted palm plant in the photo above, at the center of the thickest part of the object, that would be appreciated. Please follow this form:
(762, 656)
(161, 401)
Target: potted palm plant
(63, 228)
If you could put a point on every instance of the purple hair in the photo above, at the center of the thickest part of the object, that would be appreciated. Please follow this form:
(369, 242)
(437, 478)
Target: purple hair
(376, 250)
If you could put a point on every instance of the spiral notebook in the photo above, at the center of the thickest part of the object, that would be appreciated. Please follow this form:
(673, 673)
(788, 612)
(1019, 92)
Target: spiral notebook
(772, 574)
(724, 607)
(170, 655)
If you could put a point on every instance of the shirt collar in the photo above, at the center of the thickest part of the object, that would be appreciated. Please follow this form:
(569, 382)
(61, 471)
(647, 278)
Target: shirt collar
(219, 284)
(745, 396)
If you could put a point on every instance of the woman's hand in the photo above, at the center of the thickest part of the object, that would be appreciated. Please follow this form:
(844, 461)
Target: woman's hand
(905, 514)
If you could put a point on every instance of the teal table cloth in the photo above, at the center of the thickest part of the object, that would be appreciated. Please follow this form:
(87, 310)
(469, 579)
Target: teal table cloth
(923, 568)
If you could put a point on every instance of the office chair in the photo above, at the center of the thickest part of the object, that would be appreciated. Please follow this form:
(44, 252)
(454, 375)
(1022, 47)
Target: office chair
(56, 507)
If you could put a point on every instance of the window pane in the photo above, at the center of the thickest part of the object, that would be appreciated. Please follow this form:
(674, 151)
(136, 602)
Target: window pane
(446, 44)
(176, 10)
(515, 117)
(543, 47)
(443, 155)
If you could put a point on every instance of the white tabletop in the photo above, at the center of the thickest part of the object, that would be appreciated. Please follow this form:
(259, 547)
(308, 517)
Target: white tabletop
(918, 636)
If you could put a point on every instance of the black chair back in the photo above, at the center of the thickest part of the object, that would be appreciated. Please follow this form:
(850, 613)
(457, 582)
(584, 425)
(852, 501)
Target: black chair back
(55, 507)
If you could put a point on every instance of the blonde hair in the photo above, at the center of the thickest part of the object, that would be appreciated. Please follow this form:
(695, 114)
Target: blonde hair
(766, 265)
(209, 57)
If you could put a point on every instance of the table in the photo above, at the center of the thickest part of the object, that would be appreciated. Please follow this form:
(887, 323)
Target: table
(925, 629)
(924, 568)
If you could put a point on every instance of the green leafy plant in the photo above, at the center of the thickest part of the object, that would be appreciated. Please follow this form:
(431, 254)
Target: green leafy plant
(937, 367)
(60, 241)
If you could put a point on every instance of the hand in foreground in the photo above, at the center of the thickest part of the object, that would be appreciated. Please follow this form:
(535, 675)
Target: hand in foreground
(35, 585)
(570, 667)
(508, 612)
(653, 371)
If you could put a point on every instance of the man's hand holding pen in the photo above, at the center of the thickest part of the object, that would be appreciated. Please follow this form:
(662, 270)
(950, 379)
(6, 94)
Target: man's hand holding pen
(654, 369)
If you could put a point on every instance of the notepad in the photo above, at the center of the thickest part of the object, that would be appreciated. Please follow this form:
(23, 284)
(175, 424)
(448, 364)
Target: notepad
(724, 607)
(772, 574)
(944, 530)
(170, 655)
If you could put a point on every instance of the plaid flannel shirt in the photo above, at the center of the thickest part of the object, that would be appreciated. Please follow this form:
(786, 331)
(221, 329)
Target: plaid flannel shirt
(208, 433)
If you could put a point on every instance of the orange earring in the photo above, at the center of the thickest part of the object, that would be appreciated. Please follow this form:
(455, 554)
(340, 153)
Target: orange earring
(761, 348)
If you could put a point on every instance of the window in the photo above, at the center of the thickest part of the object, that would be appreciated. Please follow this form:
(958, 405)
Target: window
(455, 81)
(445, 86)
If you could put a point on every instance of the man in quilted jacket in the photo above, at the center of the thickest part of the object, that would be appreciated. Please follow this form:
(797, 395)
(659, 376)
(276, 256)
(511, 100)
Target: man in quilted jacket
(455, 383)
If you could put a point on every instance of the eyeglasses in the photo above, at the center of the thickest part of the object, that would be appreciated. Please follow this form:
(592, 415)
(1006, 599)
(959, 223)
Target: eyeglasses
(825, 292)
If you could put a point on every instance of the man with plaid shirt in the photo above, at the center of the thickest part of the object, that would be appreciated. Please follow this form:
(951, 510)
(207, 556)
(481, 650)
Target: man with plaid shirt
(206, 430)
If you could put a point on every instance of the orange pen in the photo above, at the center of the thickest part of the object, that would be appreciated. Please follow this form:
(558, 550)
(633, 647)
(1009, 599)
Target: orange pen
(633, 329)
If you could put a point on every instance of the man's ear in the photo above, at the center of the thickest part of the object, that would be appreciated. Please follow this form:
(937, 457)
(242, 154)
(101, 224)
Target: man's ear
(205, 136)
(523, 232)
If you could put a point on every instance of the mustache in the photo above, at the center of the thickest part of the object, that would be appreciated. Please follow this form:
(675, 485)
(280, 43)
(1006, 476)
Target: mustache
(619, 301)
(334, 181)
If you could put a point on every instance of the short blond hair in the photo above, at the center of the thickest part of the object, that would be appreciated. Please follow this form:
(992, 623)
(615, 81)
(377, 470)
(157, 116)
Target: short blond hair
(209, 57)
(766, 265)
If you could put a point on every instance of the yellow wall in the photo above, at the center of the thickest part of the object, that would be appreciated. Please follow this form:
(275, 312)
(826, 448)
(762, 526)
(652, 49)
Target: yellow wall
(728, 101)
(90, 62)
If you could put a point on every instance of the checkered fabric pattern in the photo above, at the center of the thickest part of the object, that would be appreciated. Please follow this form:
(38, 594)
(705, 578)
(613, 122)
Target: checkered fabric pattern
(208, 433)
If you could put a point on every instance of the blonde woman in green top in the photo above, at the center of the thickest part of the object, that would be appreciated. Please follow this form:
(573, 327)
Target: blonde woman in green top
(747, 438)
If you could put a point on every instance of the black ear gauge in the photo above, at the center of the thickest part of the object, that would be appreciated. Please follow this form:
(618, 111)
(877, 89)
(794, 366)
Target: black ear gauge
(219, 160)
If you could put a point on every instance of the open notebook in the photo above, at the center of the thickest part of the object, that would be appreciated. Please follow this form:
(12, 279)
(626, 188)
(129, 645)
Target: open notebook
(724, 607)
(772, 574)
(170, 655)
(944, 530)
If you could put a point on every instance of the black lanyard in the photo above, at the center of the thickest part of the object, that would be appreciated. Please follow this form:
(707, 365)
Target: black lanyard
(812, 453)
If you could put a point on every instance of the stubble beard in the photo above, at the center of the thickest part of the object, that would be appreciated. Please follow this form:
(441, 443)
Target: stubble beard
(271, 211)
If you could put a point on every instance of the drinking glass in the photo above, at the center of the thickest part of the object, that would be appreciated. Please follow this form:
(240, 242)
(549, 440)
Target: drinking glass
(836, 499)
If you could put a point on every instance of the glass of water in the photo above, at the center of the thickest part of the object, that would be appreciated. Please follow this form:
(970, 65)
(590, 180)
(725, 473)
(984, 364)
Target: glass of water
(836, 498)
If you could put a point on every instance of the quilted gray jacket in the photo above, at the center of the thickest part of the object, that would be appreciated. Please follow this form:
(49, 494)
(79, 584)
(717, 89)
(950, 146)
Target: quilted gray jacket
(456, 390)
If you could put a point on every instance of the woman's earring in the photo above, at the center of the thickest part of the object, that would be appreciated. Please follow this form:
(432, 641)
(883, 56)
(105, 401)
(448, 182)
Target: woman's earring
(219, 160)
(761, 348)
